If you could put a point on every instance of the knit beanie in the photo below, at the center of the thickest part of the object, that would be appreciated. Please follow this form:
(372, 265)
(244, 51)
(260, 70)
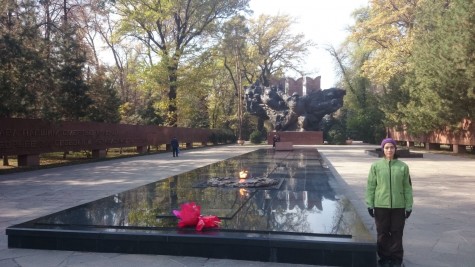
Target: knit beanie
(388, 140)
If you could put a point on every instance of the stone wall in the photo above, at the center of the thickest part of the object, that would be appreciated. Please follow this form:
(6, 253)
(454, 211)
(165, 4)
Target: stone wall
(33, 137)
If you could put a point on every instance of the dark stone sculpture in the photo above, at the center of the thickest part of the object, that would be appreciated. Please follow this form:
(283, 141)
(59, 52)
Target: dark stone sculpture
(295, 112)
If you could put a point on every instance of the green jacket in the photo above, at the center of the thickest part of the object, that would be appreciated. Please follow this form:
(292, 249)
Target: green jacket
(389, 185)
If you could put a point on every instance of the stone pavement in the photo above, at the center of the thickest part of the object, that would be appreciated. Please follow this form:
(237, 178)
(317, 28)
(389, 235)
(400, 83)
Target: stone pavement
(441, 229)
(439, 233)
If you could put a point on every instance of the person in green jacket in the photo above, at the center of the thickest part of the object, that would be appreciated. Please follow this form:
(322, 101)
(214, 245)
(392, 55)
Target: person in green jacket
(389, 200)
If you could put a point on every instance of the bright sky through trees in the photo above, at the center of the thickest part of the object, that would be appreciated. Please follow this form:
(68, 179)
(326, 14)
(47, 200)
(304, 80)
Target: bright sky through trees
(325, 22)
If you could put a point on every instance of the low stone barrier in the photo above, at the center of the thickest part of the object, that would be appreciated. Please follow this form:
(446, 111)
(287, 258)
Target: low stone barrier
(282, 146)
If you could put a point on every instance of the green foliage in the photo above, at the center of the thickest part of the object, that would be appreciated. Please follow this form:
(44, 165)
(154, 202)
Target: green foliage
(256, 137)
(105, 102)
(150, 115)
(410, 63)
(274, 48)
(360, 118)
(336, 135)
(385, 30)
(42, 63)
(197, 78)
(22, 64)
(221, 102)
(17, 63)
(420, 63)
(220, 136)
(233, 49)
(72, 91)
(442, 85)
(334, 129)
(174, 30)
(249, 124)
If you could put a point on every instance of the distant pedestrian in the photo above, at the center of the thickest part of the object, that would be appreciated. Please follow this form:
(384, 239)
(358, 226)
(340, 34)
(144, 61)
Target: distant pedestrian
(175, 146)
(389, 200)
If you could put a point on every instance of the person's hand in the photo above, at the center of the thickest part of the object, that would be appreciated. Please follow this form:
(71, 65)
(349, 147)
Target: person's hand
(371, 212)
(408, 213)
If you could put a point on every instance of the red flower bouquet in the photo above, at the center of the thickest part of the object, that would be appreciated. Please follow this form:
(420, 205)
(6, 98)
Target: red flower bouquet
(190, 215)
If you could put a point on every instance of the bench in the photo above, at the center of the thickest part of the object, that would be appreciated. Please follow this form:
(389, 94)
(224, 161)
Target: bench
(282, 146)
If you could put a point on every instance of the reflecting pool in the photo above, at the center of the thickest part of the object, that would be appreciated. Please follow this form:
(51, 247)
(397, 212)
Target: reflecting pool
(306, 202)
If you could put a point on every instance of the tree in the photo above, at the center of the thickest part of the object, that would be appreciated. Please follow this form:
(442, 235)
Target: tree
(105, 101)
(386, 29)
(233, 49)
(45, 66)
(273, 48)
(150, 114)
(72, 89)
(21, 62)
(196, 75)
(173, 29)
(384, 33)
(221, 98)
(128, 57)
(421, 61)
(360, 116)
(442, 85)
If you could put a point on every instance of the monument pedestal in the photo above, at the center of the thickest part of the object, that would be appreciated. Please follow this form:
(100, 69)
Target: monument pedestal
(284, 146)
(298, 138)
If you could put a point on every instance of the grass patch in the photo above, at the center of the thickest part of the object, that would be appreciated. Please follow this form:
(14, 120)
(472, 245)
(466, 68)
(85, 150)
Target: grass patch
(57, 159)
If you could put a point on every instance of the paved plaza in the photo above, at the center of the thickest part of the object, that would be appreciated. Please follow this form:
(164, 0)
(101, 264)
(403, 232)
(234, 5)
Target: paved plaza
(439, 233)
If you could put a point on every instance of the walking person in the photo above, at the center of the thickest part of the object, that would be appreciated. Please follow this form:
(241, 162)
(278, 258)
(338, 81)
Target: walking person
(389, 200)
(175, 145)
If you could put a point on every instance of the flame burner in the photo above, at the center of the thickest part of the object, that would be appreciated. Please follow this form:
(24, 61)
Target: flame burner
(248, 183)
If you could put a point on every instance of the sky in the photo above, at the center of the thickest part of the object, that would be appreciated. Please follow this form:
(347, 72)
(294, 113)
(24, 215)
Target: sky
(325, 22)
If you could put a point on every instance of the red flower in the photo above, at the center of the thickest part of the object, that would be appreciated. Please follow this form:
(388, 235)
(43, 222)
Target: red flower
(208, 222)
(189, 215)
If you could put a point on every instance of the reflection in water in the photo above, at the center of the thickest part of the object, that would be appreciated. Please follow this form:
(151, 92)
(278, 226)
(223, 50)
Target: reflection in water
(305, 202)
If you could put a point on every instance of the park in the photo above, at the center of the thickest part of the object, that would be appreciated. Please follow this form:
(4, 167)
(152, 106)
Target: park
(201, 133)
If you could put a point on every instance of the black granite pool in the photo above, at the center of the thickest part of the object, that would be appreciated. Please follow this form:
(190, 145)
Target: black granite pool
(304, 218)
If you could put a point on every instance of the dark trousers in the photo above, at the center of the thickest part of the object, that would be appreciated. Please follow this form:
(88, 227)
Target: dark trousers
(389, 228)
(175, 151)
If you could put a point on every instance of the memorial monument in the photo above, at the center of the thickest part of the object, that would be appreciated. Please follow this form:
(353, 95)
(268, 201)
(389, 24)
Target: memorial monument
(292, 112)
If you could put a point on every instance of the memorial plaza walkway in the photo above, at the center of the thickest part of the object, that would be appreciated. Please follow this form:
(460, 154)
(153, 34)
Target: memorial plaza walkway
(439, 233)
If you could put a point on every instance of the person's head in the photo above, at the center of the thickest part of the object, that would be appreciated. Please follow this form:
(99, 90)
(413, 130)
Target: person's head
(388, 146)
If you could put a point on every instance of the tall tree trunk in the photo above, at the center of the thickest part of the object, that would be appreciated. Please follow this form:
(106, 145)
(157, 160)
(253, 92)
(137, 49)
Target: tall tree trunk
(172, 108)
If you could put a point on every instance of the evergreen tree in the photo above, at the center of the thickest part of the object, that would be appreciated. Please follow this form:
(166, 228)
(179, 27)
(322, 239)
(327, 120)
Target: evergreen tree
(72, 90)
(443, 65)
(105, 101)
(150, 114)
(21, 63)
